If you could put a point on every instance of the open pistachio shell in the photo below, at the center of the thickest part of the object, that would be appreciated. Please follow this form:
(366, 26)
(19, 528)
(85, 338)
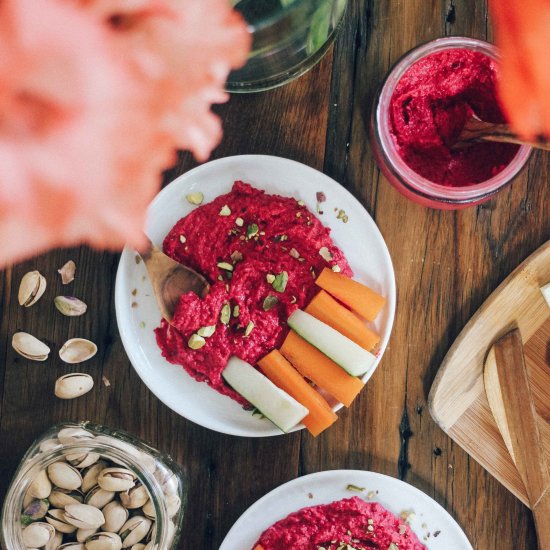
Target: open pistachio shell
(135, 497)
(84, 516)
(38, 534)
(89, 475)
(31, 288)
(67, 272)
(149, 511)
(77, 350)
(28, 346)
(82, 460)
(134, 530)
(49, 445)
(55, 543)
(138, 546)
(82, 535)
(63, 475)
(72, 546)
(70, 306)
(104, 541)
(36, 510)
(99, 497)
(73, 385)
(116, 479)
(56, 518)
(41, 486)
(115, 516)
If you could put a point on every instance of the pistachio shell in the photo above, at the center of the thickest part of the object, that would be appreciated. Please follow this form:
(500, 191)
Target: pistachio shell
(116, 479)
(31, 288)
(37, 535)
(49, 445)
(89, 475)
(41, 486)
(63, 475)
(135, 497)
(77, 350)
(59, 498)
(82, 460)
(67, 272)
(115, 516)
(84, 516)
(73, 385)
(55, 543)
(28, 346)
(73, 435)
(134, 530)
(104, 541)
(56, 518)
(138, 546)
(72, 546)
(37, 509)
(99, 497)
(70, 306)
(148, 510)
(82, 535)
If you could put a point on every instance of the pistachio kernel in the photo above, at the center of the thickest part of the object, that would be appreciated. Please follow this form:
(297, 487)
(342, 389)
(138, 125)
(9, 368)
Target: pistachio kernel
(252, 230)
(225, 265)
(270, 278)
(248, 329)
(294, 253)
(196, 341)
(270, 302)
(195, 198)
(325, 253)
(183, 240)
(207, 331)
(225, 210)
(336, 268)
(239, 222)
(225, 314)
(280, 282)
(236, 311)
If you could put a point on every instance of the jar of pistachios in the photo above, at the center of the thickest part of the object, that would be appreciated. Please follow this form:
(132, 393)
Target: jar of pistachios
(88, 487)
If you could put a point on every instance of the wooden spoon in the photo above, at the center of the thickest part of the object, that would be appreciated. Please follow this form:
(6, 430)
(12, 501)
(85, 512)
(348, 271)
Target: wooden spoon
(171, 280)
(510, 399)
(476, 130)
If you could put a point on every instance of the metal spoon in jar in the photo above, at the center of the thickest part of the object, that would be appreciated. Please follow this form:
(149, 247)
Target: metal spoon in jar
(171, 280)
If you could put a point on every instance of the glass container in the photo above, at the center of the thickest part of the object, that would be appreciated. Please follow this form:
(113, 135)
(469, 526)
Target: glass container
(288, 38)
(398, 173)
(79, 443)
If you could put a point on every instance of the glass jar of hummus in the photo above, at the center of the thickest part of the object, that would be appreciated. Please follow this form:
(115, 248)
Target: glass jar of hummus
(94, 487)
(418, 113)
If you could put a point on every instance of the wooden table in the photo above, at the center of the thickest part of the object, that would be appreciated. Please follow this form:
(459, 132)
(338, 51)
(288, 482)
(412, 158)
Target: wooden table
(446, 264)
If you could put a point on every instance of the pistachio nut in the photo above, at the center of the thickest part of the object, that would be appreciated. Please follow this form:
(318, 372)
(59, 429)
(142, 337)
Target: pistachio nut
(72, 546)
(138, 546)
(195, 198)
(49, 445)
(77, 350)
(122, 445)
(59, 498)
(31, 288)
(55, 543)
(37, 509)
(115, 516)
(135, 497)
(89, 475)
(73, 435)
(38, 534)
(173, 505)
(63, 475)
(149, 511)
(56, 518)
(28, 346)
(82, 535)
(116, 479)
(99, 497)
(134, 530)
(82, 460)
(73, 385)
(67, 272)
(84, 516)
(41, 486)
(70, 306)
(104, 541)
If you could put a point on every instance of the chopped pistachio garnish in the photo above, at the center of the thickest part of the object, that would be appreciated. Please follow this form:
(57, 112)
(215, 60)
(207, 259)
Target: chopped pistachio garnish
(220, 278)
(195, 198)
(294, 253)
(341, 214)
(298, 214)
(196, 341)
(239, 221)
(370, 521)
(183, 240)
(293, 300)
(225, 210)
(352, 487)
(206, 332)
(252, 230)
(345, 219)
(270, 278)
(336, 268)
(324, 252)
(142, 324)
(300, 203)
(236, 256)
(225, 265)
(225, 314)
(248, 329)
(270, 302)
(370, 528)
(393, 546)
(318, 208)
(279, 284)
(236, 311)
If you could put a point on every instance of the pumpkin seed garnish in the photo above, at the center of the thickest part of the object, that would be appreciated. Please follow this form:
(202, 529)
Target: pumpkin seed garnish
(206, 332)
(279, 284)
(195, 198)
(225, 210)
(252, 230)
(225, 314)
(196, 341)
(270, 302)
(248, 329)
(225, 265)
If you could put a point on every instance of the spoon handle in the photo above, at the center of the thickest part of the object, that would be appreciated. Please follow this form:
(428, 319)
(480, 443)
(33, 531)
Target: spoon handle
(478, 130)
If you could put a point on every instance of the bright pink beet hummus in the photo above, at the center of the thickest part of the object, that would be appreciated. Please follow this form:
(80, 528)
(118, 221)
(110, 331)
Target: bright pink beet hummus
(429, 108)
(288, 238)
(351, 521)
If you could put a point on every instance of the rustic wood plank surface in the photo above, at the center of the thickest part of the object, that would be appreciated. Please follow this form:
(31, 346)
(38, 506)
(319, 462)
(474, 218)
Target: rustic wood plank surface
(446, 264)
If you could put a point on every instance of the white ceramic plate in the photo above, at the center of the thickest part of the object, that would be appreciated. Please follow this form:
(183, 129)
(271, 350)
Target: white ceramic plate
(326, 487)
(137, 312)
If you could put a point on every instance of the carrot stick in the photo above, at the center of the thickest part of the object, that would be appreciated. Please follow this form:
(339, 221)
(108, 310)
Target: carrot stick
(321, 370)
(358, 297)
(325, 308)
(286, 377)
(258, 547)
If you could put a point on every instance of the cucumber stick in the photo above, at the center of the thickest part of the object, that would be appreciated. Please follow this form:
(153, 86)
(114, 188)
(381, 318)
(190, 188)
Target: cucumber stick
(350, 356)
(282, 409)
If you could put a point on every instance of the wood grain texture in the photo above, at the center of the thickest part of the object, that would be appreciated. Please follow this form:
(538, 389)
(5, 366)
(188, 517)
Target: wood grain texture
(446, 264)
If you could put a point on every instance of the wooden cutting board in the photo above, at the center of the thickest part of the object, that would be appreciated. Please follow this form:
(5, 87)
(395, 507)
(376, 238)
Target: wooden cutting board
(457, 399)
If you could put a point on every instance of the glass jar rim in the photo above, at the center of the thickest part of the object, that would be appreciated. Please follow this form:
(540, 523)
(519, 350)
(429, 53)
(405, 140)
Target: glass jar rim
(394, 162)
